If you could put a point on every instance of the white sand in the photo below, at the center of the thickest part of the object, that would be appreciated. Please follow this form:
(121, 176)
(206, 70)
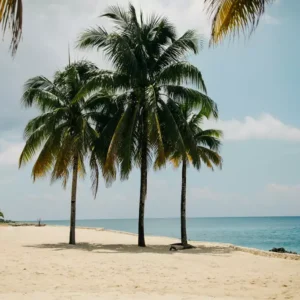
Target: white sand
(36, 263)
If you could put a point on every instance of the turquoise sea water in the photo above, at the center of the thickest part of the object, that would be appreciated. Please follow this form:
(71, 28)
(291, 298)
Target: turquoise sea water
(255, 232)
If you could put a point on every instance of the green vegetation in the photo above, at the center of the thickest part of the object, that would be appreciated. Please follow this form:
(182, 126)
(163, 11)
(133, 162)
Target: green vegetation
(146, 111)
(1, 215)
(64, 132)
(150, 78)
(205, 144)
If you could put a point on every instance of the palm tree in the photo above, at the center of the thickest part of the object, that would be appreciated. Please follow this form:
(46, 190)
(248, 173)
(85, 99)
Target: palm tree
(11, 16)
(64, 132)
(150, 71)
(234, 16)
(207, 145)
(1, 215)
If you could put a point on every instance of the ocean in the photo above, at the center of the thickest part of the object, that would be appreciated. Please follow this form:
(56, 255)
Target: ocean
(254, 232)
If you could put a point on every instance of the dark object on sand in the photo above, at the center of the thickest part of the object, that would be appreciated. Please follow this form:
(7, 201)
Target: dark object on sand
(281, 250)
(40, 223)
(179, 246)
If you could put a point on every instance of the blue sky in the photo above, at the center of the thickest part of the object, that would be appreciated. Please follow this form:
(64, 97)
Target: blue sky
(254, 81)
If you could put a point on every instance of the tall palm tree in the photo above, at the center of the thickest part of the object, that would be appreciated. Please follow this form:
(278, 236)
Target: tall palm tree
(230, 17)
(207, 144)
(11, 17)
(64, 133)
(150, 71)
(1, 215)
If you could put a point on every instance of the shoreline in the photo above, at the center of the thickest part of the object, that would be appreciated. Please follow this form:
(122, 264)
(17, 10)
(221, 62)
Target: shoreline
(265, 235)
(250, 250)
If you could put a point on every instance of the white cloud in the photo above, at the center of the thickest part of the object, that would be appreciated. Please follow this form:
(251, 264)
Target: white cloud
(284, 189)
(265, 127)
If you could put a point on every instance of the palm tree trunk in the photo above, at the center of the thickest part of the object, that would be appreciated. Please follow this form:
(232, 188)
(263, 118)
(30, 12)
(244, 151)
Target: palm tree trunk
(183, 205)
(143, 187)
(72, 240)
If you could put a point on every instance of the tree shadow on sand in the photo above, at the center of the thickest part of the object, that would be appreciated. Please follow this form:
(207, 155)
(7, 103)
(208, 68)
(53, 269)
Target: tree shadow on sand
(119, 248)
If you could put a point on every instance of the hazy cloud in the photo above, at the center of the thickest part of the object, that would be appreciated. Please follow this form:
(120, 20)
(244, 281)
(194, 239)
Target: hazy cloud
(268, 19)
(288, 190)
(265, 127)
(10, 152)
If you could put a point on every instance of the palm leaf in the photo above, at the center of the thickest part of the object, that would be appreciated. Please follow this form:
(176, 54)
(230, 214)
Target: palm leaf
(118, 15)
(194, 98)
(231, 17)
(210, 157)
(178, 49)
(94, 173)
(182, 73)
(44, 162)
(11, 16)
(92, 38)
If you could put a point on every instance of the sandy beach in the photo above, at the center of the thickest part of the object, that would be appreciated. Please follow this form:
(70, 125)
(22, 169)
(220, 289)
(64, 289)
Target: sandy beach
(37, 263)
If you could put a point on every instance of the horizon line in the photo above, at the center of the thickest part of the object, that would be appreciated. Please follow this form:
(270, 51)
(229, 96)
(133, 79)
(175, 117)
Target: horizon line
(161, 218)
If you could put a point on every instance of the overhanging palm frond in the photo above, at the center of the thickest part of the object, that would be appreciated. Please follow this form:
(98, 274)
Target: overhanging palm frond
(231, 17)
(11, 17)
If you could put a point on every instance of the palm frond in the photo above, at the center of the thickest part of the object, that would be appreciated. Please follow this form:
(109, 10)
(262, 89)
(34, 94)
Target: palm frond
(11, 17)
(104, 80)
(92, 38)
(231, 17)
(44, 162)
(177, 50)
(64, 159)
(182, 73)
(44, 100)
(94, 173)
(210, 157)
(41, 86)
(119, 15)
(123, 129)
(176, 161)
(194, 98)
(210, 138)
(171, 129)
(33, 143)
(190, 144)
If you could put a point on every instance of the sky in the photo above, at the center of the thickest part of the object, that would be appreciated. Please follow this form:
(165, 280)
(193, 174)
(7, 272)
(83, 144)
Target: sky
(254, 81)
